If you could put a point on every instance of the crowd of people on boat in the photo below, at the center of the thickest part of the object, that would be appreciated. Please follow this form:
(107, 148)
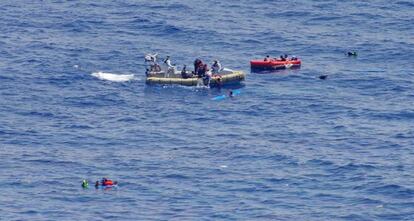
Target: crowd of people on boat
(201, 69)
(284, 57)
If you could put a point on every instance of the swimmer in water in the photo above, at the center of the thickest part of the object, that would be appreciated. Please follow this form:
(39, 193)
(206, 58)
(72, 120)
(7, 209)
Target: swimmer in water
(323, 77)
(85, 184)
(353, 53)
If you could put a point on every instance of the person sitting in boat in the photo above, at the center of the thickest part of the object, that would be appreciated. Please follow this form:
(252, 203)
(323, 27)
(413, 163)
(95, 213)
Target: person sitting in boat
(267, 58)
(216, 67)
(282, 58)
(184, 73)
(156, 67)
(293, 58)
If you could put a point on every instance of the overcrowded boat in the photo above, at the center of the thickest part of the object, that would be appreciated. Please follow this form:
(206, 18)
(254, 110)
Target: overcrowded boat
(201, 75)
(268, 63)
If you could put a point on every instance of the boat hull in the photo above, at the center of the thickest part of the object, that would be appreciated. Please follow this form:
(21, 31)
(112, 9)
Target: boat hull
(216, 81)
(274, 64)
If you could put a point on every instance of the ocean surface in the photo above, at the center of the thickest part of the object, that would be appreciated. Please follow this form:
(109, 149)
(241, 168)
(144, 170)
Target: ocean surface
(74, 106)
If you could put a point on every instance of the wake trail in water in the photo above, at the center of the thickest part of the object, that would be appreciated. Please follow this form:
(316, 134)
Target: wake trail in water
(113, 77)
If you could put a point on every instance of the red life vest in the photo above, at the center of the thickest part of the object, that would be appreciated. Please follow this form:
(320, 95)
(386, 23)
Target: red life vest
(108, 183)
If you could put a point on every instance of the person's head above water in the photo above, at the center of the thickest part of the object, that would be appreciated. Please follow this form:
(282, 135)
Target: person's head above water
(85, 183)
(323, 77)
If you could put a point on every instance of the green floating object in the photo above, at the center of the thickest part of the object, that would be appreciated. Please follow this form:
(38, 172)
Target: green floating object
(85, 184)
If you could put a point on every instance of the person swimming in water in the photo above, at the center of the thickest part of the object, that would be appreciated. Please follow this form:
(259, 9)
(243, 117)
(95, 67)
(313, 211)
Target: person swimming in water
(85, 184)
(323, 77)
(105, 183)
(351, 53)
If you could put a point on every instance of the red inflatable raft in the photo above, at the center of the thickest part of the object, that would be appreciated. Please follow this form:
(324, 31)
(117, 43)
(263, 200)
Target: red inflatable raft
(273, 64)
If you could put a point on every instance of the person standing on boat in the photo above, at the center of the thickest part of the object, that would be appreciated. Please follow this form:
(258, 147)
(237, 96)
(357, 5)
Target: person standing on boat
(197, 65)
(168, 66)
(216, 67)
(202, 70)
(206, 75)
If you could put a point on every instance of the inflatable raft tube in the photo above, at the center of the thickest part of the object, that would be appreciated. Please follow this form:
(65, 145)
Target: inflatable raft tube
(232, 78)
(274, 64)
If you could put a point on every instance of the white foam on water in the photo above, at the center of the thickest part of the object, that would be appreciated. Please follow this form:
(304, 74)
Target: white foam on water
(113, 77)
(288, 65)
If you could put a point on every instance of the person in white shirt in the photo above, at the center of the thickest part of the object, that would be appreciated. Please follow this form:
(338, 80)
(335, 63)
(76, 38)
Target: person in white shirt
(152, 58)
(168, 66)
(216, 67)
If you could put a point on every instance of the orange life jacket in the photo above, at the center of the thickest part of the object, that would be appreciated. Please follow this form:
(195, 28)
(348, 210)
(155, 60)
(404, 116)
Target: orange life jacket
(108, 183)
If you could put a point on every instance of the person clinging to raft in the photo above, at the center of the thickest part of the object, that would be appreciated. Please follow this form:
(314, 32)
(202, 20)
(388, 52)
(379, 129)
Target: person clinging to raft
(105, 183)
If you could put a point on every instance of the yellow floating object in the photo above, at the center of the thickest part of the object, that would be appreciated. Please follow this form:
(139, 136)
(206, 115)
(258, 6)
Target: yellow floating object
(232, 77)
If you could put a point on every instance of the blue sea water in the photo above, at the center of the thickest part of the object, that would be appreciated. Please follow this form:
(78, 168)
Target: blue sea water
(288, 147)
